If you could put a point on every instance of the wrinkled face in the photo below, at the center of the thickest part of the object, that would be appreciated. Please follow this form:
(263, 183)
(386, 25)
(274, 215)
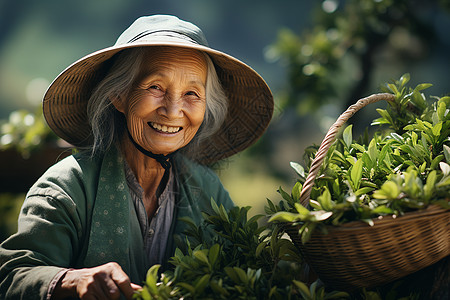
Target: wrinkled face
(166, 105)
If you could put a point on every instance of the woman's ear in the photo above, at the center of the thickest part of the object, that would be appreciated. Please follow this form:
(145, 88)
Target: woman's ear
(118, 103)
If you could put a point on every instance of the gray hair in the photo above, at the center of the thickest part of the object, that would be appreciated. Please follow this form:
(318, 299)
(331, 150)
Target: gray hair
(108, 124)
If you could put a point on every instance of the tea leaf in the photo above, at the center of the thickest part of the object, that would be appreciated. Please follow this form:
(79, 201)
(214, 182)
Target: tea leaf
(321, 215)
(325, 200)
(437, 129)
(213, 254)
(363, 191)
(435, 161)
(241, 274)
(447, 153)
(368, 221)
(284, 216)
(303, 289)
(422, 86)
(202, 283)
(301, 209)
(315, 204)
(404, 79)
(152, 277)
(356, 174)
(445, 168)
(187, 286)
(389, 190)
(429, 185)
(285, 195)
(296, 191)
(298, 169)
(347, 136)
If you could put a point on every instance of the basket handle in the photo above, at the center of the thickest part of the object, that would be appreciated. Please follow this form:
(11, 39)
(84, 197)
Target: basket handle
(329, 139)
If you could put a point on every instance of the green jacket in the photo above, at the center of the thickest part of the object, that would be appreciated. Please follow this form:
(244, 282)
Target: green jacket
(80, 214)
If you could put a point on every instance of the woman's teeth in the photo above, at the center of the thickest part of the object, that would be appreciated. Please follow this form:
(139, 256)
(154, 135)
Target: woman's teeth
(164, 128)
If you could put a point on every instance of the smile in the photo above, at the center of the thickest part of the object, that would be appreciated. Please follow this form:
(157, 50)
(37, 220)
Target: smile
(164, 128)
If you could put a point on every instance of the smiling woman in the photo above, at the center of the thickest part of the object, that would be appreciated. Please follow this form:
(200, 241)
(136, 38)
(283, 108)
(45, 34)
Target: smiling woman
(147, 114)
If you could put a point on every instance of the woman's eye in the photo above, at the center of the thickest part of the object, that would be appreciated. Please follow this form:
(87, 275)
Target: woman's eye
(191, 93)
(154, 87)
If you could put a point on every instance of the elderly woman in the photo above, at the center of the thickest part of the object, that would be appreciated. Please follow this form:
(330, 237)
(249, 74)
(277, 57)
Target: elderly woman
(147, 115)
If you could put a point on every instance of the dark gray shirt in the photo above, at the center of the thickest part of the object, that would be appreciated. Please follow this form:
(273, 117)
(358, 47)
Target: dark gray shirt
(155, 231)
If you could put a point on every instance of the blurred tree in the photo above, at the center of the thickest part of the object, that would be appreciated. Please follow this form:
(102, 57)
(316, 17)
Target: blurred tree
(336, 59)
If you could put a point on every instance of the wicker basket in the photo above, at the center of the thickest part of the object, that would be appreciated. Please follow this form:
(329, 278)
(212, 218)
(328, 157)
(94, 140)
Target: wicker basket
(355, 255)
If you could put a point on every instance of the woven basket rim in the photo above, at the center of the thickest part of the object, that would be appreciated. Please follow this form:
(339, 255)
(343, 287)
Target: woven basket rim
(430, 211)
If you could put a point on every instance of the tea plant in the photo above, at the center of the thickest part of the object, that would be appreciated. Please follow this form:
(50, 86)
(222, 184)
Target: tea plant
(240, 260)
(402, 168)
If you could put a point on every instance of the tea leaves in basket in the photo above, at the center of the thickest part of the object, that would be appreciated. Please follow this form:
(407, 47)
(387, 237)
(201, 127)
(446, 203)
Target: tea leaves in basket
(400, 169)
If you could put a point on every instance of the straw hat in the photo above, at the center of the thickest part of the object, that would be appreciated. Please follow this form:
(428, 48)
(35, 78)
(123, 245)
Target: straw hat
(250, 105)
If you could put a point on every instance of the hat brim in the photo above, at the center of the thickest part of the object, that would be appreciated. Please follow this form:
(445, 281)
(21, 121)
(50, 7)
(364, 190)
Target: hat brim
(250, 105)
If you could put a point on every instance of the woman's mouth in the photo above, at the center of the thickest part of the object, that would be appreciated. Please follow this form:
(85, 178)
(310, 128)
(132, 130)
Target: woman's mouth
(164, 128)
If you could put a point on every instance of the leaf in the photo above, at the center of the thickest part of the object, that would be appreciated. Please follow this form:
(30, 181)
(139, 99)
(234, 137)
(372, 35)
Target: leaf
(152, 278)
(296, 191)
(356, 174)
(397, 137)
(444, 182)
(303, 289)
(187, 286)
(445, 168)
(325, 200)
(285, 195)
(223, 213)
(372, 150)
(358, 147)
(315, 204)
(213, 253)
(202, 283)
(347, 136)
(368, 221)
(385, 115)
(306, 231)
(393, 88)
(363, 191)
(321, 215)
(261, 246)
(447, 153)
(214, 206)
(389, 190)
(422, 86)
(437, 129)
(298, 169)
(241, 274)
(336, 295)
(232, 274)
(284, 216)
(441, 109)
(429, 185)
(436, 161)
(217, 287)
(404, 79)
(382, 210)
(301, 209)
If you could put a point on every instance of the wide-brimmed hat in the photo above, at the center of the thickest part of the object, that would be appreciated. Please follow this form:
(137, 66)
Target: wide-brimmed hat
(250, 105)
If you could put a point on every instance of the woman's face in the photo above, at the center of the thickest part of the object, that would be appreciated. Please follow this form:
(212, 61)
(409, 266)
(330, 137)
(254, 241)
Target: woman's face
(166, 105)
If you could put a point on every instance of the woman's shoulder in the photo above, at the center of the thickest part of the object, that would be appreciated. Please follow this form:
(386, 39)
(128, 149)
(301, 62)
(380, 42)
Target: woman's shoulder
(71, 175)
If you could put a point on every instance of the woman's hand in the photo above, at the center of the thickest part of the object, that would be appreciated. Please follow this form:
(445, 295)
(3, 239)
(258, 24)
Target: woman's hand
(107, 281)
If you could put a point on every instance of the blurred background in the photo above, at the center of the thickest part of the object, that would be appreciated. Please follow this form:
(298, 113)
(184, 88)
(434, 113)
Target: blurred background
(318, 57)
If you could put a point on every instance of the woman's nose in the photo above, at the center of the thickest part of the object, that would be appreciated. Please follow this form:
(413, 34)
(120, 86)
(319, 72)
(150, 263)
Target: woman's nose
(172, 107)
